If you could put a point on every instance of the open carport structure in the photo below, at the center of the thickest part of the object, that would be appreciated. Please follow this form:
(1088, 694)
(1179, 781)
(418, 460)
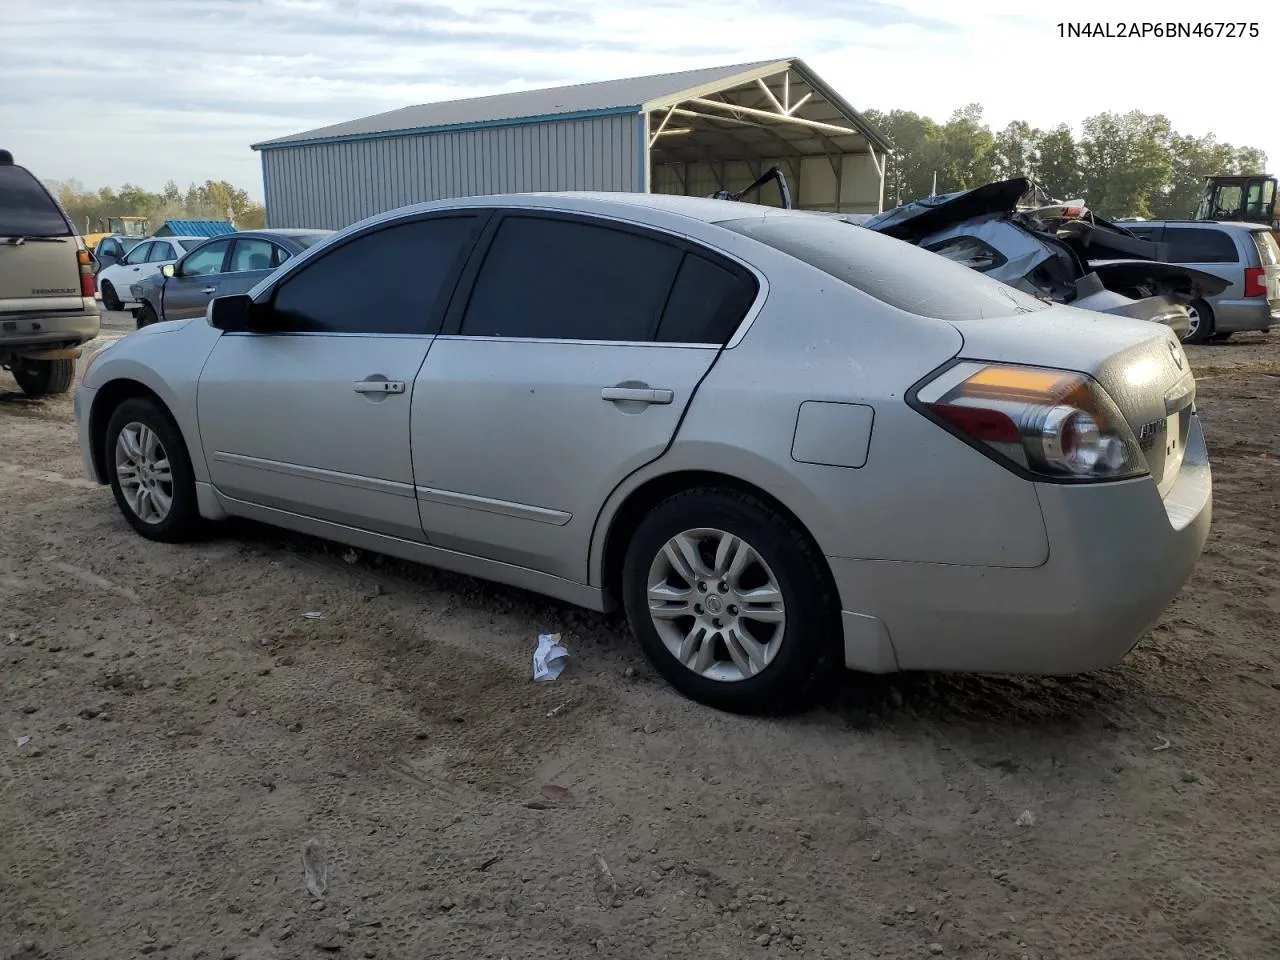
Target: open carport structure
(696, 132)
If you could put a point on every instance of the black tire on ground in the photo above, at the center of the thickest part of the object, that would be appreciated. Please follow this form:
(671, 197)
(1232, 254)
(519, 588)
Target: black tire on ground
(810, 652)
(1202, 320)
(145, 315)
(183, 521)
(1221, 337)
(109, 298)
(39, 378)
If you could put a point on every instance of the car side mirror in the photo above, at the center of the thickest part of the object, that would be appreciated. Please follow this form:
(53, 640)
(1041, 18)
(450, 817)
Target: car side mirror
(169, 269)
(237, 313)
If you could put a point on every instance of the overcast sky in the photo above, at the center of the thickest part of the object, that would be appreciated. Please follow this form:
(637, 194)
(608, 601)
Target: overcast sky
(146, 90)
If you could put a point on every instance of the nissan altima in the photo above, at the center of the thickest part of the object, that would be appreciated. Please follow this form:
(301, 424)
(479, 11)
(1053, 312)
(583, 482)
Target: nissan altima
(779, 445)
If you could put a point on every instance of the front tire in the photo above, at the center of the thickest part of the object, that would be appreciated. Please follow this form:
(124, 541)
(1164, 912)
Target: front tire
(39, 378)
(732, 602)
(1201, 328)
(109, 298)
(150, 472)
(146, 315)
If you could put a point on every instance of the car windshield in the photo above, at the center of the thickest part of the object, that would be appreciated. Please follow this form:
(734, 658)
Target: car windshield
(26, 209)
(892, 271)
(128, 243)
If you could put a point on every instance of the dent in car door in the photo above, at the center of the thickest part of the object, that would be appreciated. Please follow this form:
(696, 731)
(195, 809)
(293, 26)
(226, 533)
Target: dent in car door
(550, 392)
(195, 281)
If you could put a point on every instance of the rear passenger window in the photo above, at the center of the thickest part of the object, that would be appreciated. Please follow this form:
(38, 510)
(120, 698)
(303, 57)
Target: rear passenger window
(1197, 245)
(389, 281)
(558, 279)
(707, 303)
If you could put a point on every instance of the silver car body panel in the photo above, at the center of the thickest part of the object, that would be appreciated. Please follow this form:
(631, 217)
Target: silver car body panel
(503, 459)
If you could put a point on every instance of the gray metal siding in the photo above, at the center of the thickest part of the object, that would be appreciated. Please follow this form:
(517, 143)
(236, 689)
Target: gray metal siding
(332, 185)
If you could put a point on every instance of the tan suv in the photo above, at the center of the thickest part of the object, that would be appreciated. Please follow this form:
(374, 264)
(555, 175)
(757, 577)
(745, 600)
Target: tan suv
(47, 308)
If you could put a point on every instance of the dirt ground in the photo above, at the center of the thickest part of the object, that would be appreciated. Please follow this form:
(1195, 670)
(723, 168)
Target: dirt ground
(190, 731)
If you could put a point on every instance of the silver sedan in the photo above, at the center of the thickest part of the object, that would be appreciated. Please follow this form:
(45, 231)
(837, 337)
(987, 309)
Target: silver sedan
(780, 445)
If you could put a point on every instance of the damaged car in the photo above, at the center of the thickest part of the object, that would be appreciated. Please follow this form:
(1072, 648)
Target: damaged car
(1054, 250)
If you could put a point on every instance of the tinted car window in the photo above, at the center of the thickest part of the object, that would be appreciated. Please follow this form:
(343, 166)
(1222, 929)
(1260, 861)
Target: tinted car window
(251, 253)
(185, 245)
(206, 260)
(389, 281)
(1199, 245)
(138, 254)
(568, 280)
(108, 247)
(707, 302)
(280, 255)
(161, 252)
(890, 270)
(26, 209)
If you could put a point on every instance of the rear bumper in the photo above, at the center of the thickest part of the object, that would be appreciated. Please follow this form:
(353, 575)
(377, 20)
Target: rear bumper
(1118, 555)
(1238, 316)
(44, 330)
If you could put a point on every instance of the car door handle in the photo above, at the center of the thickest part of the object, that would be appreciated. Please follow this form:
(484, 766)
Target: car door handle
(638, 394)
(209, 290)
(378, 386)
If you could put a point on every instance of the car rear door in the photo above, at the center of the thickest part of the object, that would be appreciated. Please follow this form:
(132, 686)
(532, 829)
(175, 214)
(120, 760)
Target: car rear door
(313, 417)
(252, 259)
(38, 266)
(195, 281)
(562, 368)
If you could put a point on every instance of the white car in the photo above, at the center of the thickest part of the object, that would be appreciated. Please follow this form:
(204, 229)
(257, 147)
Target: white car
(139, 263)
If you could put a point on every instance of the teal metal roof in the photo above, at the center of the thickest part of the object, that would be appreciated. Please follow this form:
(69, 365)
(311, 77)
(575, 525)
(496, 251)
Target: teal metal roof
(194, 228)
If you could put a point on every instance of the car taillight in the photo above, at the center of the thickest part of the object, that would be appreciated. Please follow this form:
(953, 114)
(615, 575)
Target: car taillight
(1255, 281)
(1051, 424)
(86, 273)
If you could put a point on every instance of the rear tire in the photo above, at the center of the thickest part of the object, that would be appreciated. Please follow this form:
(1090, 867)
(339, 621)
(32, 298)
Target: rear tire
(150, 472)
(762, 628)
(146, 315)
(109, 298)
(39, 378)
(1201, 328)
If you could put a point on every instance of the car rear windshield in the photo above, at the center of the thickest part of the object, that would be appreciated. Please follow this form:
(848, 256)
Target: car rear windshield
(129, 242)
(1268, 249)
(26, 209)
(892, 271)
(306, 240)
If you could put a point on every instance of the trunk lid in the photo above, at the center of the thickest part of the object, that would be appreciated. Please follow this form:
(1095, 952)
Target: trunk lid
(1141, 365)
(1269, 257)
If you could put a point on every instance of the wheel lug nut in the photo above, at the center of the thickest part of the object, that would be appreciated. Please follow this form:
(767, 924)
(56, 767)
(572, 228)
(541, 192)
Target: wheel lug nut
(733, 610)
(702, 586)
(724, 587)
(697, 608)
(716, 623)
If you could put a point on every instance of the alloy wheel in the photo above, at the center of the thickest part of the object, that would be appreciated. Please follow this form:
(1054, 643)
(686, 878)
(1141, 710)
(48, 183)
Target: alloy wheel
(144, 473)
(716, 604)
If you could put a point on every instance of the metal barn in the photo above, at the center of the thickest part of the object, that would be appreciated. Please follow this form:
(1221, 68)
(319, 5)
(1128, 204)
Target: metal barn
(695, 132)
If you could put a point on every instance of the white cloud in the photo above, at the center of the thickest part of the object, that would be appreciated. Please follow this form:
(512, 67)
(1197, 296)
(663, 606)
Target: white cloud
(142, 91)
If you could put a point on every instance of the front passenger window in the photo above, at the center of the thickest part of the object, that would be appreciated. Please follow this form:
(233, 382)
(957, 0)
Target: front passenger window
(393, 280)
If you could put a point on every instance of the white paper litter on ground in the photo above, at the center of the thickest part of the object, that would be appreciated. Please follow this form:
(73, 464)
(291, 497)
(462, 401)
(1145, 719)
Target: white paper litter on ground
(548, 659)
(314, 615)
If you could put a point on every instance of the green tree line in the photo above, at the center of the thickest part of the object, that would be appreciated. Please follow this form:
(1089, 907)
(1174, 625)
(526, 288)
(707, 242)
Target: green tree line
(211, 200)
(1123, 164)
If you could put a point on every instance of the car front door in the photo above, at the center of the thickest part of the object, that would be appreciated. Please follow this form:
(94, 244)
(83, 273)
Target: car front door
(195, 281)
(564, 365)
(312, 418)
